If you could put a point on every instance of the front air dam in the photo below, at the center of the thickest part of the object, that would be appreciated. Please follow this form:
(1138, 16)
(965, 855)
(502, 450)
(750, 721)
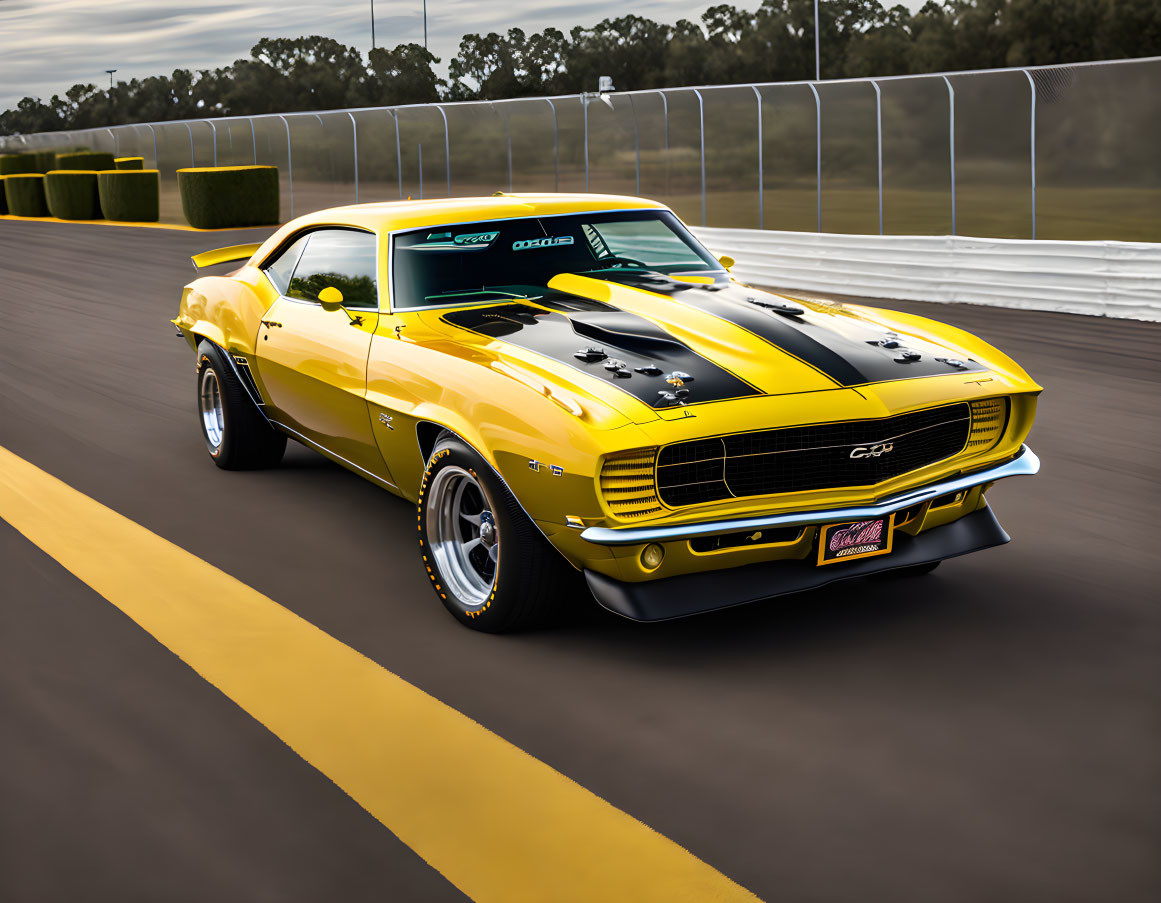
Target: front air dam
(691, 594)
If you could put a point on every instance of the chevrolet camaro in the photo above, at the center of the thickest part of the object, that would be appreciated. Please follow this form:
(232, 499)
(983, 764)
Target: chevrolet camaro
(573, 384)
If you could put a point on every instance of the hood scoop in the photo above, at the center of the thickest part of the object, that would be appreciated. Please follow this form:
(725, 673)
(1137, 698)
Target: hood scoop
(625, 331)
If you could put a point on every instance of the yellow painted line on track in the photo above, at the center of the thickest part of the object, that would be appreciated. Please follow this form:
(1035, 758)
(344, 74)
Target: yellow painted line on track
(496, 822)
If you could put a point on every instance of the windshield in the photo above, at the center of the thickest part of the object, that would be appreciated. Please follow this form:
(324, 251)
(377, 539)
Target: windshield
(473, 262)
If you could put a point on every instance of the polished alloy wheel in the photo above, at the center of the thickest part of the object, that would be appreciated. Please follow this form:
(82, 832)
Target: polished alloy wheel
(213, 416)
(463, 535)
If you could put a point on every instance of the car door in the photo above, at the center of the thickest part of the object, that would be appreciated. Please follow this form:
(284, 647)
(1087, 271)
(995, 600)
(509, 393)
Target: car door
(313, 359)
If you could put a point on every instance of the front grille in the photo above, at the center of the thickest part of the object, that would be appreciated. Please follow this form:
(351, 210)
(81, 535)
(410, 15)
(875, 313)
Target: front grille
(989, 417)
(800, 459)
(627, 483)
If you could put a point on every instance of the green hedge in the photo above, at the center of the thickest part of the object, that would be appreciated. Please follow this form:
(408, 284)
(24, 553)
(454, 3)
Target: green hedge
(17, 163)
(25, 194)
(90, 160)
(72, 194)
(129, 163)
(130, 196)
(229, 196)
(3, 198)
(45, 161)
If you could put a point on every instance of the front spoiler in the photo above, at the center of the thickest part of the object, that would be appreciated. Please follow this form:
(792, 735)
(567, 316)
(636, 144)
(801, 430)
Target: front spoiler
(690, 594)
(1024, 464)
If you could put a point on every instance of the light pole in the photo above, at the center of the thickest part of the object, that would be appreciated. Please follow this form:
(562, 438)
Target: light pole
(372, 24)
(817, 70)
(110, 72)
(424, 24)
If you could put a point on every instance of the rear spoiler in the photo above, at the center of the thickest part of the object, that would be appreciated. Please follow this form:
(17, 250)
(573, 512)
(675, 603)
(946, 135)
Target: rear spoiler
(224, 255)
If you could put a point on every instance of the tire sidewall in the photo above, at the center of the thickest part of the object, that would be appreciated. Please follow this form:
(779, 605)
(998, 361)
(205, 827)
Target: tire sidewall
(208, 358)
(455, 452)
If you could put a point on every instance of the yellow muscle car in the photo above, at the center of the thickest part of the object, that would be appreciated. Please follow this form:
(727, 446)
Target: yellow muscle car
(573, 383)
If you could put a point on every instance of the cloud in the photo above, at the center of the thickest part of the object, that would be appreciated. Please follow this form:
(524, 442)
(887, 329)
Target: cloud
(46, 46)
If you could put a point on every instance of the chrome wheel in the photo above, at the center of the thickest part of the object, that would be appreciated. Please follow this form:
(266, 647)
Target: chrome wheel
(463, 535)
(213, 416)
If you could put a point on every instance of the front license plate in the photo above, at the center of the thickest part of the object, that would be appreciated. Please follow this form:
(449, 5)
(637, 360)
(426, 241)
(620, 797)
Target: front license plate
(855, 539)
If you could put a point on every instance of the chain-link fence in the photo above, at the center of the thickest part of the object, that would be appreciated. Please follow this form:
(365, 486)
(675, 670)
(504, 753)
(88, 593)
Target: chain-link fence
(1063, 152)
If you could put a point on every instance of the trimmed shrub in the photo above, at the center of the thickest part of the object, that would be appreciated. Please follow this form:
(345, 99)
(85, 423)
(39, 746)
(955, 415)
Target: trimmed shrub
(223, 197)
(90, 160)
(25, 194)
(130, 196)
(72, 194)
(45, 161)
(3, 198)
(129, 163)
(17, 163)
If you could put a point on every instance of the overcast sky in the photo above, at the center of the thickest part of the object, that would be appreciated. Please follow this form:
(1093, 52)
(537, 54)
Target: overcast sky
(46, 46)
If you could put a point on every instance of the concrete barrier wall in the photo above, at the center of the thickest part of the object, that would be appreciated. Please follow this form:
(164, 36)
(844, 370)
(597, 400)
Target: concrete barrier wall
(1099, 278)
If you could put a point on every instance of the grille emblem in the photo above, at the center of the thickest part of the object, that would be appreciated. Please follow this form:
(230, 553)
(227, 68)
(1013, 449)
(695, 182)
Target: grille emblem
(873, 451)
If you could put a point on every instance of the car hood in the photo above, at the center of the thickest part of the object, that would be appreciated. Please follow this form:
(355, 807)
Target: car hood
(654, 346)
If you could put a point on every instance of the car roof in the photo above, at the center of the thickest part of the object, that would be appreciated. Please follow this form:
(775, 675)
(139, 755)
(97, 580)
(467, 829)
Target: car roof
(391, 216)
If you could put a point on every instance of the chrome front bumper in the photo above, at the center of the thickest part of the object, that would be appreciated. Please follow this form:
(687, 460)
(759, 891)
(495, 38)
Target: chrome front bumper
(1024, 464)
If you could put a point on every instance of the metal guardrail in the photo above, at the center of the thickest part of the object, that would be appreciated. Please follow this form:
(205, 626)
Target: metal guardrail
(1065, 152)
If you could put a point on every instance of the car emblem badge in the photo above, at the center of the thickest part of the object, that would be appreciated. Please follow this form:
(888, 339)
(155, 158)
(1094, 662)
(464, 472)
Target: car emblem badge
(386, 421)
(873, 451)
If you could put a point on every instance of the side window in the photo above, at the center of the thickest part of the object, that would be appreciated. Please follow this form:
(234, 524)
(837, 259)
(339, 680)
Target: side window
(279, 271)
(342, 258)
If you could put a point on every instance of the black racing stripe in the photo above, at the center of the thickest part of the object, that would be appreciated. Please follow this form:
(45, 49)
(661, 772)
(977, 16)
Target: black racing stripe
(777, 331)
(849, 362)
(572, 326)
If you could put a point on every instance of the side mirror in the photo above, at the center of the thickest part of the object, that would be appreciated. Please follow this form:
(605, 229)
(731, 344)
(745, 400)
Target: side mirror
(725, 260)
(330, 298)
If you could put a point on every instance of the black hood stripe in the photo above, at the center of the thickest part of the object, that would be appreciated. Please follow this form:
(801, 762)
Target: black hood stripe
(560, 326)
(849, 362)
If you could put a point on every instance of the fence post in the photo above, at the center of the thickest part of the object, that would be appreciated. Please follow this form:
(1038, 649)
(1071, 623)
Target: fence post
(665, 116)
(636, 142)
(289, 165)
(951, 144)
(701, 130)
(113, 138)
(879, 145)
(585, 104)
(1032, 136)
(156, 161)
(817, 156)
(398, 152)
(355, 145)
(192, 160)
(446, 149)
(210, 123)
(761, 169)
(555, 147)
(419, 150)
(253, 139)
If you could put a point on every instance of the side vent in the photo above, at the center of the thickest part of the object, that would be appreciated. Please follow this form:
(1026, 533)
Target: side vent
(248, 380)
(989, 417)
(628, 484)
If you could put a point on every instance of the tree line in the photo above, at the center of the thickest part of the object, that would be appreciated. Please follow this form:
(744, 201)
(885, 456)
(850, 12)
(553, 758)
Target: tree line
(774, 42)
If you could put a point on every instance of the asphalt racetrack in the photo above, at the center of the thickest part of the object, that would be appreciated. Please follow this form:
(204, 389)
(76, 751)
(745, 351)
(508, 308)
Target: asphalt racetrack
(988, 733)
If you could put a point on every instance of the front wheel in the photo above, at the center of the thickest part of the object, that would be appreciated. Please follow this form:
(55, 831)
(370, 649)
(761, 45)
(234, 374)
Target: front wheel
(488, 563)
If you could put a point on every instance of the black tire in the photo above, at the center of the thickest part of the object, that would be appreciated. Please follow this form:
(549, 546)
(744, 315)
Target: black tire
(915, 570)
(530, 579)
(244, 440)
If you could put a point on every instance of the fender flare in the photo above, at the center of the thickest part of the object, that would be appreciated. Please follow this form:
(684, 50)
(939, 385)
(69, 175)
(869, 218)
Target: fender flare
(487, 460)
(245, 380)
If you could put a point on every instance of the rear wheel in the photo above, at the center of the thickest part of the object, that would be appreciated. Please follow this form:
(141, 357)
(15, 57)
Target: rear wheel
(237, 436)
(488, 563)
